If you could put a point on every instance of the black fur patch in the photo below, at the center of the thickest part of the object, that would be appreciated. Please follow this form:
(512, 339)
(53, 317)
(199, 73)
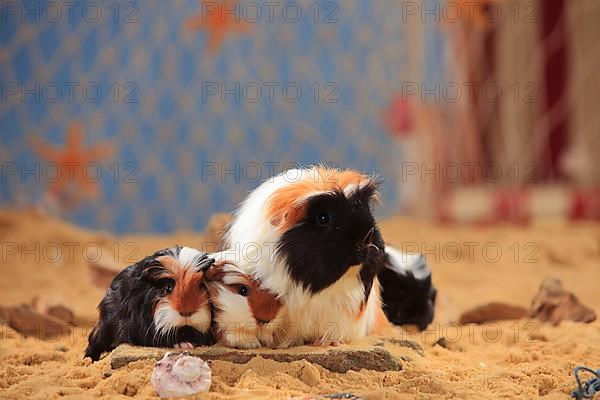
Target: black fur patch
(372, 263)
(336, 233)
(127, 310)
(406, 299)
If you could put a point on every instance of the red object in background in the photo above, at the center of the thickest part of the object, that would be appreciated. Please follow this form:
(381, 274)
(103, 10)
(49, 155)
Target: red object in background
(554, 37)
(520, 205)
(512, 205)
(585, 205)
(399, 117)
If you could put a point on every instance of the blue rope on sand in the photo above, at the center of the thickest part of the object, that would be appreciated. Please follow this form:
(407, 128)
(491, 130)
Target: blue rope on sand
(589, 388)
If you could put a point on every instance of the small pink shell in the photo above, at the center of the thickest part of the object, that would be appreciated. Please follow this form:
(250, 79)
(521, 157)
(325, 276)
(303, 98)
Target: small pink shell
(179, 375)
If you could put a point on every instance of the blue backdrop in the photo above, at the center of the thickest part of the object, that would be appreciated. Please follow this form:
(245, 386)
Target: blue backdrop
(151, 116)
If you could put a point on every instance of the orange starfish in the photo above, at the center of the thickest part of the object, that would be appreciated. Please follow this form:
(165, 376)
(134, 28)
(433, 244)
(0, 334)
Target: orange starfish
(476, 13)
(219, 19)
(73, 162)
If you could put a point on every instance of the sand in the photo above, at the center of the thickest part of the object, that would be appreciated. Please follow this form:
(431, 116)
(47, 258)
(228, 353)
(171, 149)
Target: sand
(43, 256)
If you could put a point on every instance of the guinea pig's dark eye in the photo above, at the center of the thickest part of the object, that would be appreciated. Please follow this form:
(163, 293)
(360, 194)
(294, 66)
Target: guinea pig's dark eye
(168, 288)
(243, 291)
(323, 219)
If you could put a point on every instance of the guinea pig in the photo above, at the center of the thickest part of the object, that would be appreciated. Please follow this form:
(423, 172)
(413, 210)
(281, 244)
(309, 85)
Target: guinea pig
(407, 291)
(316, 245)
(246, 315)
(160, 301)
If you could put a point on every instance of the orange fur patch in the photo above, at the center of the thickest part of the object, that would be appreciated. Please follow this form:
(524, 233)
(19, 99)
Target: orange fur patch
(216, 272)
(287, 205)
(171, 265)
(187, 296)
(362, 310)
(381, 321)
(264, 304)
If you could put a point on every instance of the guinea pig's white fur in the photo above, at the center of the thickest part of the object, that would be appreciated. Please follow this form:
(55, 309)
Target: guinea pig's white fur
(243, 321)
(167, 315)
(335, 314)
(403, 263)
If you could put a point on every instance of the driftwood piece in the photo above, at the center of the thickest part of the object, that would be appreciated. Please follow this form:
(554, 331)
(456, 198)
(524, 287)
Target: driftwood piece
(492, 312)
(338, 359)
(553, 303)
(29, 322)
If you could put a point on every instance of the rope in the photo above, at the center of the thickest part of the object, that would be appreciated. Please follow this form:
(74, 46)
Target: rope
(589, 388)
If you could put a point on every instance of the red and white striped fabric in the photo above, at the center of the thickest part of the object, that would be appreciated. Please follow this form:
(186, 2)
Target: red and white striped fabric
(488, 205)
(544, 57)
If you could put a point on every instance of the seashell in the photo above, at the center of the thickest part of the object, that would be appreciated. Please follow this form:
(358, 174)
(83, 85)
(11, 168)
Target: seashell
(178, 375)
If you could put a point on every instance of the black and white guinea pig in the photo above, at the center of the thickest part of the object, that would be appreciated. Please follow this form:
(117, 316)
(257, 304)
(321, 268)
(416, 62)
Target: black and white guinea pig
(407, 291)
(160, 301)
(315, 242)
(246, 315)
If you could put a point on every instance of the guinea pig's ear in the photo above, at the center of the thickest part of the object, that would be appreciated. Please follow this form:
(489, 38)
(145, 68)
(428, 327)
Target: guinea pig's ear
(288, 205)
(154, 271)
(169, 251)
(202, 262)
(365, 192)
(215, 272)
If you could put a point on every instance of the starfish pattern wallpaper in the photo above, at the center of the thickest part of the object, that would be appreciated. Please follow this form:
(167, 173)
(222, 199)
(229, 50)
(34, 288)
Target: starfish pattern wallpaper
(152, 115)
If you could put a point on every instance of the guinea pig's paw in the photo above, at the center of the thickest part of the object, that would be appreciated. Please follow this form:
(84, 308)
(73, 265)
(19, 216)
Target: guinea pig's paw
(184, 346)
(249, 343)
(281, 346)
(240, 340)
(328, 342)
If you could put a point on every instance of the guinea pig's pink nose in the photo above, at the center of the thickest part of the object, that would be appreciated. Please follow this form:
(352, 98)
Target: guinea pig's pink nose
(185, 313)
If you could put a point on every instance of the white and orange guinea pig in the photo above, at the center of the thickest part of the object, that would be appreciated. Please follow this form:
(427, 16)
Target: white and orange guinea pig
(314, 243)
(246, 315)
(160, 301)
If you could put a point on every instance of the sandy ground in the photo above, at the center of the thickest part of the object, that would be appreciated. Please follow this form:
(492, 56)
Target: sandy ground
(42, 256)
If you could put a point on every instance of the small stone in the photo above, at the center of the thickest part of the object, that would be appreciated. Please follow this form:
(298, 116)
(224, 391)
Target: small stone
(310, 375)
(414, 346)
(335, 396)
(61, 348)
(445, 343)
(126, 385)
(442, 342)
(106, 374)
